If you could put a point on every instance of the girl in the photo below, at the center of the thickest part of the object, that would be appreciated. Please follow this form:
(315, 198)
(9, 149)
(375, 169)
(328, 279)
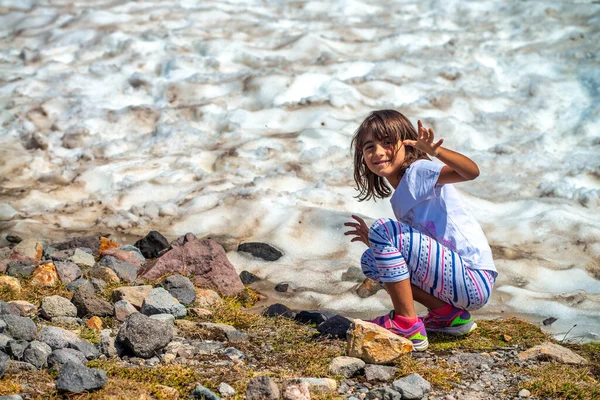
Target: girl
(436, 253)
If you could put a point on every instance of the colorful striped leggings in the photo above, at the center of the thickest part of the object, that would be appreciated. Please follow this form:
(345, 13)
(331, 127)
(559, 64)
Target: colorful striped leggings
(399, 252)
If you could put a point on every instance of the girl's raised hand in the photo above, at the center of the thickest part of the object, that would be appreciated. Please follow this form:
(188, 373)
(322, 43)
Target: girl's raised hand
(361, 230)
(424, 141)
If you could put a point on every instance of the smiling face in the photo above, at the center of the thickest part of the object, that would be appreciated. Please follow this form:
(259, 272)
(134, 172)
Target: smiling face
(383, 157)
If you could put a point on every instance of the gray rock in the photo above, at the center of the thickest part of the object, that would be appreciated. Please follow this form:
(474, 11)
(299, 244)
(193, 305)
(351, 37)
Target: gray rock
(37, 354)
(60, 357)
(248, 277)
(125, 271)
(16, 348)
(412, 387)
(89, 304)
(180, 287)
(223, 332)
(262, 388)
(71, 321)
(16, 367)
(353, 274)
(22, 328)
(82, 259)
(207, 347)
(226, 390)
(90, 242)
(57, 306)
(143, 336)
(4, 340)
(159, 301)
(2, 326)
(166, 318)
(73, 378)
(524, 393)
(93, 285)
(381, 373)
(384, 393)
(58, 338)
(261, 250)
(61, 255)
(107, 345)
(201, 392)
(282, 287)
(11, 397)
(3, 361)
(21, 268)
(469, 360)
(234, 354)
(123, 309)
(346, 366)
(67, 271)
(7, 309)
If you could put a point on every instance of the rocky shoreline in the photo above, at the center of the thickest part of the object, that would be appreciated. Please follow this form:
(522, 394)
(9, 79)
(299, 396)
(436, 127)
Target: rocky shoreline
(93, 319)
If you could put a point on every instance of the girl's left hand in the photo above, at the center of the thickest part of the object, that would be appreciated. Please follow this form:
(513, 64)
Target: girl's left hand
(360, 232)
(424, 141)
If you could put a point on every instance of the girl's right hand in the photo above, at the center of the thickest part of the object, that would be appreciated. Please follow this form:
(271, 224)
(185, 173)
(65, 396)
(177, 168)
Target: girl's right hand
(361, 230)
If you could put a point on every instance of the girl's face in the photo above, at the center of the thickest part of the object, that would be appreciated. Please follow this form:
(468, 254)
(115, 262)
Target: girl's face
(380, 158)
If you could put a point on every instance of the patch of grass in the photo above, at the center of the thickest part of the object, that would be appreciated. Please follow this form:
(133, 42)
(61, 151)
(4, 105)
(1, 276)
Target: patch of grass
(559, 381)
(9, 385)
(439, 375)
(89, 334)
(34, 294)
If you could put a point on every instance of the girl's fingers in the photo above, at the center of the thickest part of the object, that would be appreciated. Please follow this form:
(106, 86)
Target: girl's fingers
(411, 143)
(438, 144)
(352, 224)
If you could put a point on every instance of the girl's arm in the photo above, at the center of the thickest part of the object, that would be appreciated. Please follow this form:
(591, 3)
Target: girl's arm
(458, 168)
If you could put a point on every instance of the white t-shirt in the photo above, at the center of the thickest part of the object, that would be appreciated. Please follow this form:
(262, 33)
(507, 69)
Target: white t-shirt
(439, 212)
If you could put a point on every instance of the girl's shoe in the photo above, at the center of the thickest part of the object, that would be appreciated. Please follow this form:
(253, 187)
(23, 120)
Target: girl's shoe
(458, 322)
(416, 333)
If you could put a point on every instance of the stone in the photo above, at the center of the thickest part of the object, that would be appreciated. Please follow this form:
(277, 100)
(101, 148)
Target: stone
(549, 321)
(381, 373)
(384, 393)
(180, 287)
(105, 244)
(346, 366)
(4, 358)
(412, 387)
(60, 357)
(123, 309)
(278, 309)
(374, 344)
(234, 354)
(166, 318)
(21, 268)
(94, 323)
(70, 321)
(15, 367)
(73, 378)
(90, 242)
(11, 284)
(316, 317)
(368, 288)
(201, 392)
(282, 287)
(200, 312)
(15, 239)
(37, 354)
(67, 271)
(248, 278)
(82, 259)
(152, 244)
(133, 294)
(203, 259)
(226, 390)
(262, 388)
(552, 352)
(299, 391)
(11, 397)
(106, 274)
(336, 326)
(30, 248)
(143, 336)
(353, 274)
(7, 308)
(166, 392)
(159, 301)
(524, 393)
(23, 308)
(132, 257)
(126, 272)
(45, 276)
(94, 285)
(216, 331)
(107, 345)
(19, 328)
(16, 348)
(207, 297)
(58, 338)
(261, 250)
(89, 304)
(469, 360)
(57, 306)
(62, 255)
(318, 386)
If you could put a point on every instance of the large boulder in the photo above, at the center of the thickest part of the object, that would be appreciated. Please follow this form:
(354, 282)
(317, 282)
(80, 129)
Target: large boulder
(374, 344)
(145, 337)
(204, 259)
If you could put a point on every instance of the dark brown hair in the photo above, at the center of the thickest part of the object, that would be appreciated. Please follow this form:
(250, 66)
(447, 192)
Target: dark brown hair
(381, 124)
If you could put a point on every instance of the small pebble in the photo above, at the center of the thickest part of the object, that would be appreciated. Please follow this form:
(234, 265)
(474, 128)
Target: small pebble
(524, 393)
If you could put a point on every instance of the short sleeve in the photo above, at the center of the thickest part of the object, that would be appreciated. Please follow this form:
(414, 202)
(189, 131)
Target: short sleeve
(417, 185)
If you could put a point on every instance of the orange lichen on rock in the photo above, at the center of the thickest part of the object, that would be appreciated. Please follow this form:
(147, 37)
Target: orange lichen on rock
(45, 275)
(106, 244)
(94, 323)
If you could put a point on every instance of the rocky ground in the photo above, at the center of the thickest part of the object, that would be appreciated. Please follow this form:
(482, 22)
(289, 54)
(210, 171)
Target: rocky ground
(89, 318)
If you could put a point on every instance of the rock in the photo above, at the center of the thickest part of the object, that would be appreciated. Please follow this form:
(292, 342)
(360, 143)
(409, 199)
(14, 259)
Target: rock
(21, 268)
(94, 323)
(204, 259)
(73, 378)
(125, 271)
(62, 255)
(382, 373)
(15, 367)
(57, 306)
(384, 393)
(133, 294)
(234, 354)
(374, 344)
(5, 253)
(159, 301)
(180, 287)
(23, 308)
(166, 392)
(4, 339)
(123, 309)
(11, 284)
(469, 360)
(16, 348)
(30, 248)
(277, 309)
(336, 326)
(524, 393)
(60, 357)
(222, 332)
(412, 387)
(262, 388)
(200, 392)
(94, 285)
(70, 321)
(90, 242)
(152, 244)
(261, 250)
(67, 271)
(346, 366)
(282, 287)
(552, 352)
(316, 317)
(58, 338)
(82, 259)
(11, 397)
(166, 318)
(143, 336)
(248, 278)
(45, 276)
(4, 358)
(20, 328)
(200, 312)
(316, 385)
(353, 274)
(549, 321)
(106, 244)
(132, 257)
(37, 354)
(207, 298)
(7, 308)
(107, 345)
(226, 390)
(368, 288)
(299, 391)
(15, 239)
(89, 304)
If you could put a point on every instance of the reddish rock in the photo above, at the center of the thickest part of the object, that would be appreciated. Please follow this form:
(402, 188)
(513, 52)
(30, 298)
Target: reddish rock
(132, 257)
(204, 260)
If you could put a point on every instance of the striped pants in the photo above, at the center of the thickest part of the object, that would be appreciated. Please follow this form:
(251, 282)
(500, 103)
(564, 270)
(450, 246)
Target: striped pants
(399, 252)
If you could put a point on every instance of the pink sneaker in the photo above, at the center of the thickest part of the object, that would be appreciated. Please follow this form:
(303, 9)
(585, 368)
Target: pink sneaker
(458, 322)
(416, 333)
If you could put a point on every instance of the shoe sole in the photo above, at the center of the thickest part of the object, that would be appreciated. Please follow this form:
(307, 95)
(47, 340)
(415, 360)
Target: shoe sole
(455, 330)
(421, 346)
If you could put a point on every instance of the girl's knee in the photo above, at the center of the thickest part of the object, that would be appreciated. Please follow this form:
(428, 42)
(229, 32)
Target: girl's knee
(380, 230)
